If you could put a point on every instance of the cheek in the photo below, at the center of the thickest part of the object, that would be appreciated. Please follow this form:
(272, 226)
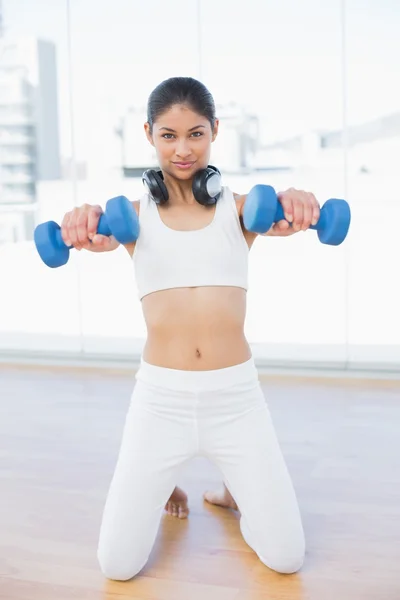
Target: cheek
(162, 148)
(206, 144)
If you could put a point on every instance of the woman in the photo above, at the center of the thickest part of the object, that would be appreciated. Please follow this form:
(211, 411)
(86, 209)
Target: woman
(197, 390)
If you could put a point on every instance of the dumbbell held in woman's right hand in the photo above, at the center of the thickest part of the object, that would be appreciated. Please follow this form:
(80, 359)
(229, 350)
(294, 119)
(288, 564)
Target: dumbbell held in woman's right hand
(262, 209)
(119, 220)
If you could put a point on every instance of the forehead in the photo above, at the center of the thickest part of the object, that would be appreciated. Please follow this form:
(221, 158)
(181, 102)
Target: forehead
(180, 117)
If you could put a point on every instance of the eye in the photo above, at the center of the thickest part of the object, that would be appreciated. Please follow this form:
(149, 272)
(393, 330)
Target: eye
(165, 136)
(197, 133)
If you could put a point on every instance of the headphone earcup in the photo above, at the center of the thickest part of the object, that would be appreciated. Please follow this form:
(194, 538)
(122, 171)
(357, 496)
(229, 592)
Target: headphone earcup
(154, 182)
(207, 186)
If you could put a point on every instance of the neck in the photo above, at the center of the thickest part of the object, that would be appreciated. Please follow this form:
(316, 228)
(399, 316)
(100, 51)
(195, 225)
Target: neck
(179, 191)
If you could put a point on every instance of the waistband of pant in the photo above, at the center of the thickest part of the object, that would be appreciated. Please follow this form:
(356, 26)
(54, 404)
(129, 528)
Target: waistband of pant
(215, 379)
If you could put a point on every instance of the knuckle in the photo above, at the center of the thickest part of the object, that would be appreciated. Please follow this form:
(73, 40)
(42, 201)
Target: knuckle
(81, 218)
(298, 204)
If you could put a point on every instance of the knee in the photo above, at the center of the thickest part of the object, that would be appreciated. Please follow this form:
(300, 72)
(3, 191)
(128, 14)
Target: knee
(119, 568)
(285, 556)
(285, 562)
(285, 565)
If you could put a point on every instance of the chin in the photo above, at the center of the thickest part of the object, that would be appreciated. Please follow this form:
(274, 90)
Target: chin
(186, 174)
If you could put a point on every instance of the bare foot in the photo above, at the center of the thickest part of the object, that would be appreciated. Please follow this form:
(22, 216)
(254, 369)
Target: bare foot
(177, 505)
(221, 498)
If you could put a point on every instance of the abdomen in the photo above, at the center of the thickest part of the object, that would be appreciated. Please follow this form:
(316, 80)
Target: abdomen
(196, 328)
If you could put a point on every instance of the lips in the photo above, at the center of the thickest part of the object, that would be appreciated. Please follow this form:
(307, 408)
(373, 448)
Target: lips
(183, 165)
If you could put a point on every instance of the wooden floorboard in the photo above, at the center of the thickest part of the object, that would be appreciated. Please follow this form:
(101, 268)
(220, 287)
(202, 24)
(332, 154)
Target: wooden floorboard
(59, 437)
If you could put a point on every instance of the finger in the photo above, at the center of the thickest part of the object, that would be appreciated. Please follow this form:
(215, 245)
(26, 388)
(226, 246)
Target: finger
(101, 241)
(281, 226)
(82, 228)
(285, 199)
(64, 229)
(307, 211)
(298, 213)
(72, 229)
(315, 210)
(93, 221)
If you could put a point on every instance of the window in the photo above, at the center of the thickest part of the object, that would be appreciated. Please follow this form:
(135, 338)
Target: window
(299, 104)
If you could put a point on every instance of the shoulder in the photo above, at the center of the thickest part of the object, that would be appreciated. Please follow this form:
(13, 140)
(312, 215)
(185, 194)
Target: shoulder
(142, 203)
(136, 206)
(131, 247)
(239, 200)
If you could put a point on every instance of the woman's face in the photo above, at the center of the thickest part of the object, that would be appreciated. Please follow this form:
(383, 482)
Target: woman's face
(182, 139)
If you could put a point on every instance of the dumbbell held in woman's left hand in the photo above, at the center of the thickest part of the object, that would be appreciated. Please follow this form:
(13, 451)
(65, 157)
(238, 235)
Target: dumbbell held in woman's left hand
(262, 209)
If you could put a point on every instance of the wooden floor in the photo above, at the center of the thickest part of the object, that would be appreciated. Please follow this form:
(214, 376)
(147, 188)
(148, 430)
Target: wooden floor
(59, 437)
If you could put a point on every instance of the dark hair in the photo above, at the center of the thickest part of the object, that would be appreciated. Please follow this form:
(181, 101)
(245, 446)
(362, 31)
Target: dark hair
(180, 90)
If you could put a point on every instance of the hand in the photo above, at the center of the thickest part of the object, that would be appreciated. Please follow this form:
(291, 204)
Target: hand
(79, 226)
(301, 209)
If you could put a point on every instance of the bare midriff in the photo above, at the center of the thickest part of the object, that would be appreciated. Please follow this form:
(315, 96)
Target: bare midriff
(196, 329)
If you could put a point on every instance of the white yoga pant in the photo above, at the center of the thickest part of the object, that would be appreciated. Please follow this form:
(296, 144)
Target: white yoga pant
(177, 415)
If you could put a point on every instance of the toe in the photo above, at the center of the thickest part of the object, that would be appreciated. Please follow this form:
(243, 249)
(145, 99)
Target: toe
(183, 512)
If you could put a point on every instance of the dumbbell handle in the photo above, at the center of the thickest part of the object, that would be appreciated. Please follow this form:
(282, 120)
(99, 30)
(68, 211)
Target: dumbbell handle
(102, 229)
(320, 224)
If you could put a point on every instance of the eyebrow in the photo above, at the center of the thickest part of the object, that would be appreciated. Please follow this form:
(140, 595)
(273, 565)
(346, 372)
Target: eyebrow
(173, 130)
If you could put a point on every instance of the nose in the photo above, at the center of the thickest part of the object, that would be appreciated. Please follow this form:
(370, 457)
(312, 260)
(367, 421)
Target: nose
(183, 149)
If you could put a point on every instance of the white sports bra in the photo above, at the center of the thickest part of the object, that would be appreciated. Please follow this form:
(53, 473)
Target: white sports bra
(215, 255)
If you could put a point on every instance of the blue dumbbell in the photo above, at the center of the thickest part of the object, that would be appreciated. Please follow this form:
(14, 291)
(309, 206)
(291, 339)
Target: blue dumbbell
(262, 209)
(120, 220)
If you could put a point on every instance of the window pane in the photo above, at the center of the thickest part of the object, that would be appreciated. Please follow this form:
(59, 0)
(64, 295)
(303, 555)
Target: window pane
(39, 309)
(133, 46)
(280, 63)
(373, 97)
